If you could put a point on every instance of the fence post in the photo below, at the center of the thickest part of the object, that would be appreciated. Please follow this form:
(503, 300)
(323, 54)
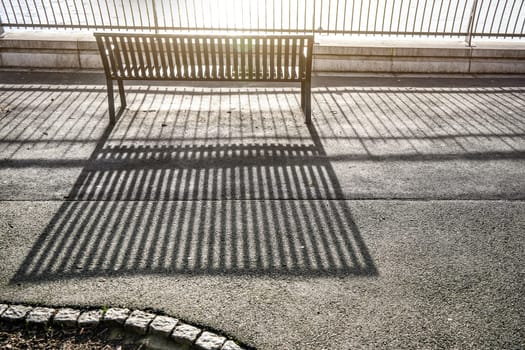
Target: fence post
(1, 28)
(470, 29)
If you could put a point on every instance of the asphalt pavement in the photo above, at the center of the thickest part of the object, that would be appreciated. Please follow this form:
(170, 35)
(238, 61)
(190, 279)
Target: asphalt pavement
(396, 220)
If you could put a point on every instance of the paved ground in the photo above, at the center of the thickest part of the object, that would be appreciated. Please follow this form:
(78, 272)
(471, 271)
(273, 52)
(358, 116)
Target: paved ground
(396, 221)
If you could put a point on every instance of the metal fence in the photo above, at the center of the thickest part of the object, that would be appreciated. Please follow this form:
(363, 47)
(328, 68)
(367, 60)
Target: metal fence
(440, 18)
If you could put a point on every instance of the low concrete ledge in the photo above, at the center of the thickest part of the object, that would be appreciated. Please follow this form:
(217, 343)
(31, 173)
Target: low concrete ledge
(79, 51)
(418, 56)
(49, 50)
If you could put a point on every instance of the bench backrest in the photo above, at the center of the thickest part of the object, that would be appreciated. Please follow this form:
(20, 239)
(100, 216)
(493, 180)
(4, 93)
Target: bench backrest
(206, 57)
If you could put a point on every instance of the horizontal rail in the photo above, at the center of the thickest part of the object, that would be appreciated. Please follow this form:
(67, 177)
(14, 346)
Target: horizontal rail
(407, 18)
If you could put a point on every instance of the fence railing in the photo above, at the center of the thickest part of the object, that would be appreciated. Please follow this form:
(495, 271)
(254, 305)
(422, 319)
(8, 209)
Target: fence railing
(438, 18)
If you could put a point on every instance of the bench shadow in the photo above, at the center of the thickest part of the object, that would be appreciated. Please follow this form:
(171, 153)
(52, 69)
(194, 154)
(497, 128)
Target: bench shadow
(234, 208)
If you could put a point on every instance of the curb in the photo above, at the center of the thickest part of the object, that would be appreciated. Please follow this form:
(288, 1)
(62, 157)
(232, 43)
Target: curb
(136, 321)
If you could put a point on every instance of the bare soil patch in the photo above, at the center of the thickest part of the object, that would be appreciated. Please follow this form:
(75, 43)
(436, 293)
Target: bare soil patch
(21, 336)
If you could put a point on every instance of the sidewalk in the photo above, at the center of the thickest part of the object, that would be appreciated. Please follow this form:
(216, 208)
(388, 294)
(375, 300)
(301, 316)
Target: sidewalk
(395, 221)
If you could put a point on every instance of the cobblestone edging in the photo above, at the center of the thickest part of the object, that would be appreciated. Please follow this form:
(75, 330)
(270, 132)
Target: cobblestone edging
(137, 321)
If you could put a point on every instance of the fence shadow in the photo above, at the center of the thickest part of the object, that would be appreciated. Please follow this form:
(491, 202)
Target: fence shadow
(201, 208)
(193, 181)
(424, 124)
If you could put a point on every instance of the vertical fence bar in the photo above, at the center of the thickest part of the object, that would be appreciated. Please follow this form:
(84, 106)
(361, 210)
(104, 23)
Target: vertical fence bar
(282, 15)
(7, 18)
(392, 15)
(242, 14)
(360, 16)
(69, 14)
(147, 13)
(494, 18)
(116, 13)
(470, 29)
(368, 15)
(178, 13)
(479, 14)
(194, 8)
(54, 15)
(384, 16)
(211, 12)
(463, 14)
(502, 14)
(76, 10)
(344, 16)
(377, 13)
(297, 16)
(329, 13)
(155, 18)
(124, 16)
(454, 18)
(62, 14)
(352, 18)
(305, 18)
(20, 9)
(423, 16)
(133, 23)
(313, 17)
(415, 16)
(92, 14)
(172, 24)
(321, 15)
(408, 16)
(439, 16)
(431, 15)
(273, 15)
(29, 12)
(336, 16)
(518, 18)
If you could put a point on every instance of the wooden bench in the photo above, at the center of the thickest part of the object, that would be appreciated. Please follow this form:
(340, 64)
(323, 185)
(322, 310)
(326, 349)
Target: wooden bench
(274, 58)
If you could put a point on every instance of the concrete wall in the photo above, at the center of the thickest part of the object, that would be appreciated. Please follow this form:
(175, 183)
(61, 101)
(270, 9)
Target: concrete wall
(79, 51)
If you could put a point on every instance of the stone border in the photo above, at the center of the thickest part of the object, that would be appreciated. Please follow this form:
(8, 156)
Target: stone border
(137, 321)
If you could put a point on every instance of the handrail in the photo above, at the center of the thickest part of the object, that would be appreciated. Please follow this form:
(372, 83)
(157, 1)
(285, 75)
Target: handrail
(406, 18)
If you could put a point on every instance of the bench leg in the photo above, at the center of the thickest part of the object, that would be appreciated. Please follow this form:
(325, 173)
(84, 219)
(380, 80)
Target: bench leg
(111, 102)
(122, 95)
(307, 108)
(303, 83)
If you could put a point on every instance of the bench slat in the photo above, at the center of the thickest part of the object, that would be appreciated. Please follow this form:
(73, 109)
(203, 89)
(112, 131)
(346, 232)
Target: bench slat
(213, 54)
(124, 50)
(164, 66)
(272, 59)
(177, 54)
(265, 58)
(141, 60)
(137, 57)
(293, 59)
(257, 57)
(220, 49)
(109, 48)
(207, 72)
(278, 57)
(242, 55)
(181, 47)
(199, 71)
(169, 57)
